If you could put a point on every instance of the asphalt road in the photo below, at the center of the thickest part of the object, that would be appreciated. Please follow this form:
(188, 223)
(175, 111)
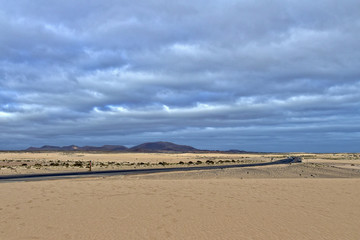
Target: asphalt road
(63, 175)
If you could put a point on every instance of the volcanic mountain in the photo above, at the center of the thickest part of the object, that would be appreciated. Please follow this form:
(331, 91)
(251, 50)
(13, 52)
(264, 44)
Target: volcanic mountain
(162, 147)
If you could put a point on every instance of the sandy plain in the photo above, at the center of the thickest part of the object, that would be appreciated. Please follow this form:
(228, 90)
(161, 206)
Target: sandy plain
(316, 199)
(37, 162)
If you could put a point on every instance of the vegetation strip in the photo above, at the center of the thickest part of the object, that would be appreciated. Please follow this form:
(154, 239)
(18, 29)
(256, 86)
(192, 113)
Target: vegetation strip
(144, 171)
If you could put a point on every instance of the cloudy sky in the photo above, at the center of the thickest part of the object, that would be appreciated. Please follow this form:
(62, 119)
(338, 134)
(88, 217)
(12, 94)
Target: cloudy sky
(223, 74)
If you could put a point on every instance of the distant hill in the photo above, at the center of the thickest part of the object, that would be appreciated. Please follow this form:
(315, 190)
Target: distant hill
(44, 148)
(145, 147)
(162, 147)
(76, 148)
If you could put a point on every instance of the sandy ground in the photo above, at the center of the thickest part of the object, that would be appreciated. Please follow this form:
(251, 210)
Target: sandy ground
(316, 199)
(138, 208)
(33, 162)
(171, 158)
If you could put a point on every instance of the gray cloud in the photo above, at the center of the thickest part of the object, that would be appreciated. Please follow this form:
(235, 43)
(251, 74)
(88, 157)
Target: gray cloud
(221, 74)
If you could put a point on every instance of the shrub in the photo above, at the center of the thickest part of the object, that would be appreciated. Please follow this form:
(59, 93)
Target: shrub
(78, 164)
(38, 165)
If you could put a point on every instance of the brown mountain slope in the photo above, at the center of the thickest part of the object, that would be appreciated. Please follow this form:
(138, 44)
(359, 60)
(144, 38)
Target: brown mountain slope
(162, 147)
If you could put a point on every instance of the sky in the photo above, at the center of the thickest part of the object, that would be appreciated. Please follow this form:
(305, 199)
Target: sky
(278, 76)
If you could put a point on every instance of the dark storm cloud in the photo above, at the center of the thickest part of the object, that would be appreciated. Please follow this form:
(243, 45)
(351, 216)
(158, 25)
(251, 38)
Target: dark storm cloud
(252, 75)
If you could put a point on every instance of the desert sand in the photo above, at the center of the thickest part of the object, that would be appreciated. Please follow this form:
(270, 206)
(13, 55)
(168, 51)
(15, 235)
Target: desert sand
(136, 208)
(38, 162)
(316, 199)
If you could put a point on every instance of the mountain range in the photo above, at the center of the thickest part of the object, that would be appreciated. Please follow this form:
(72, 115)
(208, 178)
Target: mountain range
(145, 147)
